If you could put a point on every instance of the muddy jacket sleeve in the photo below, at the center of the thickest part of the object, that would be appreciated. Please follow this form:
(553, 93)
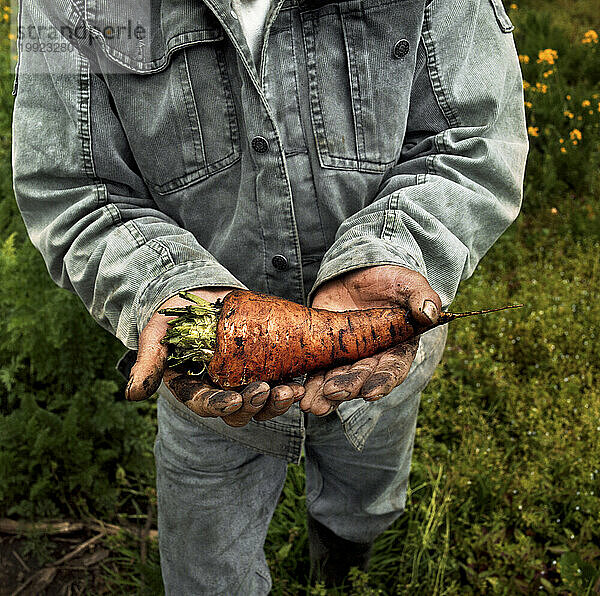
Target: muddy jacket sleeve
(458, 183)
(102, 236)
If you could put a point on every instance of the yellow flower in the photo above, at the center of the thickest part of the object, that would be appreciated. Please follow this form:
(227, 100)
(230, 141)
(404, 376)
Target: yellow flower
(548, 55)
(12, 36)
(554, 210)
(595, 96)
(5, 16)
(528, 104)
(575, 134)
(523, 58)
(585, 103)
(526, 85)
(590, 37)
(579, 118)
(534, 131)
(541, 87)
(590, 112)
(575, 142)
(568, 98)
(563, 150)
(548, 73)
(513, 6)
(561, 141)
(569, 114)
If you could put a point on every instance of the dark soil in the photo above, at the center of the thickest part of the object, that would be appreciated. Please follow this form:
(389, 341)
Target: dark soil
(26, 565)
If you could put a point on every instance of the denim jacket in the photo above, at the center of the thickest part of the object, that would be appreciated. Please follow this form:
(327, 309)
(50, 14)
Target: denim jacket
(152, 155)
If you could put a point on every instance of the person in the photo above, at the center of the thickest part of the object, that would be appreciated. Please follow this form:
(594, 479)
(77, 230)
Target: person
(340, 154)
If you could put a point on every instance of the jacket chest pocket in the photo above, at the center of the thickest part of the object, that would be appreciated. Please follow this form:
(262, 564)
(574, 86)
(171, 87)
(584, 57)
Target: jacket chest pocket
(180, 122)
(360, 58)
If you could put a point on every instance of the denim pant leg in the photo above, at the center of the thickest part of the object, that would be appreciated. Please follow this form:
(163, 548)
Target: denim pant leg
(359, 494)
(215, 501)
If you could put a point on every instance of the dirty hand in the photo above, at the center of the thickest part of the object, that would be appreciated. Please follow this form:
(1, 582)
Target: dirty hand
(237, 408)
(374, 377)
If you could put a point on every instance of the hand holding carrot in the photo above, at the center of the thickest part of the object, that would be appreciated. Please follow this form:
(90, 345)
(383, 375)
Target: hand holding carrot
(363, 333)
(374, 377)
(256, 400)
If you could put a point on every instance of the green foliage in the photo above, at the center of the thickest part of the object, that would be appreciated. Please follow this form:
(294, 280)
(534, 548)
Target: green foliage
(287, 545)
(578, 575)
(125, 573)
(65, 429)
(561, 71)
(512, 417)
(48, 339)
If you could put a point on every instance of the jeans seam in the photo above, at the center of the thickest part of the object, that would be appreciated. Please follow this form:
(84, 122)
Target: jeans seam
(310, 500)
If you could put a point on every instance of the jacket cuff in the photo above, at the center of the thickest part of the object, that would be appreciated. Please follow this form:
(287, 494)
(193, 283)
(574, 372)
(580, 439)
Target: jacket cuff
(179, 278)
(351, 253)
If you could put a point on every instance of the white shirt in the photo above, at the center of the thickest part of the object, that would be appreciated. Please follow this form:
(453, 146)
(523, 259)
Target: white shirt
(252, 15)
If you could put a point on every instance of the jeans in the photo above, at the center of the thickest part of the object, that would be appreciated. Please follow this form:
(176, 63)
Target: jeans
(216, 496)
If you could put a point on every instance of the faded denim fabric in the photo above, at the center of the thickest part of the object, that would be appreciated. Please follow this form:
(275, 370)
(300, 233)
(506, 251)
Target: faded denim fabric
(216, 496)
(151, 155)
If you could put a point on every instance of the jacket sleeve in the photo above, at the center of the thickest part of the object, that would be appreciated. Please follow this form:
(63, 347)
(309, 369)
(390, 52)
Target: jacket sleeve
(458, 183)
(102, 238)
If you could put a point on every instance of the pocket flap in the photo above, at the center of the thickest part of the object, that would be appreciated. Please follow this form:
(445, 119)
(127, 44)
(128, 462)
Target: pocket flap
(503, 19)
(141, 35)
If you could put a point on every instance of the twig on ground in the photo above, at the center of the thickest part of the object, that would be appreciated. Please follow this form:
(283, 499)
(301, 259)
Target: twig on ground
(23, 564)
(40, 580)
(98, 555)
(113, 529)
(72, 554)
(11, 526)
(43, 578)
(18, 527)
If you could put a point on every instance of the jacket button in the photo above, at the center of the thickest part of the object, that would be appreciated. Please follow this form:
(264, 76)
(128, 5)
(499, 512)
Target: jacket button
(260, 144)
(401, 48)
(279, 262)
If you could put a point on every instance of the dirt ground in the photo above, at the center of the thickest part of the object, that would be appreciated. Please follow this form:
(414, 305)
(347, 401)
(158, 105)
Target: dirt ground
(51, 568)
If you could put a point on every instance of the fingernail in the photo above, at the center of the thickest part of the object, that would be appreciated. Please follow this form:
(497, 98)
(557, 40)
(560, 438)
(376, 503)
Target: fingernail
(375, 384)
(338, 395)
(128, 388)
(232, 408)
(374, 397)
(430, 310)
(259, 399)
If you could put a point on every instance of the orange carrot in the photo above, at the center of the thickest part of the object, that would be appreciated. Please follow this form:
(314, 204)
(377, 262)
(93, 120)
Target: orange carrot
(265, 338)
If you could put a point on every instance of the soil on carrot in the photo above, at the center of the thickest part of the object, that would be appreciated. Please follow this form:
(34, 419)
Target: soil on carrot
(26, 565)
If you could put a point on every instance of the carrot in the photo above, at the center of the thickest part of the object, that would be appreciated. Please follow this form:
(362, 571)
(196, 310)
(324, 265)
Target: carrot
(250, 337)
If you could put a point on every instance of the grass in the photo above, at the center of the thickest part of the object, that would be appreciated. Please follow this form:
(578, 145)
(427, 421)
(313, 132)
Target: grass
(505, 483)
